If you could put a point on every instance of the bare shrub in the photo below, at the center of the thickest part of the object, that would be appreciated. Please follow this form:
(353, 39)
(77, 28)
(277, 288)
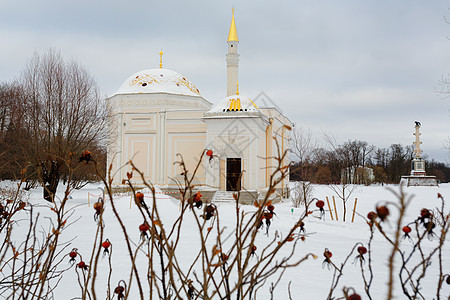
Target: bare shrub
(430, 226)
(30, 260)
(301, 193)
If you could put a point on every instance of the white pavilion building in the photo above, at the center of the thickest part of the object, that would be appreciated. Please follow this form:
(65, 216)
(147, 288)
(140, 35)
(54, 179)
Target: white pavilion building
(158, 113)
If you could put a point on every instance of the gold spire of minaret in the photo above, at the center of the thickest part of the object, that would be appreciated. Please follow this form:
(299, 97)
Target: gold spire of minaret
(237, 88)
(232, 35)
(160, 59)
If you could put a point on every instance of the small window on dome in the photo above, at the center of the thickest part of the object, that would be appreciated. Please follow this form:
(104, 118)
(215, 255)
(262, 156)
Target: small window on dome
(144, 84)
(161, 75)
(231, 45)
(245, 109)
(224, 109)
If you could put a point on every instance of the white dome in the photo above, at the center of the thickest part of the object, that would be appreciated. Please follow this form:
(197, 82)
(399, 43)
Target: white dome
(235, 103)
(158, 81)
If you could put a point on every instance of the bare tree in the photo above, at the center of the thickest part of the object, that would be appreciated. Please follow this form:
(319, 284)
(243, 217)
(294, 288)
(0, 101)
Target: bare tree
(400, 161)
(341, 158)
(303, 147)
(381, 157)
(66, 115)
(12, 111)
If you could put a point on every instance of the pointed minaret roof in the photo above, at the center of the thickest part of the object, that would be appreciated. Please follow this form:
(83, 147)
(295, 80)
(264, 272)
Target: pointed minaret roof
(160, 59)
(232, 35)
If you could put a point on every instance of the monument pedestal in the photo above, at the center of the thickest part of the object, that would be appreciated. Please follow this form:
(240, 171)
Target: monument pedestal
(414, 180)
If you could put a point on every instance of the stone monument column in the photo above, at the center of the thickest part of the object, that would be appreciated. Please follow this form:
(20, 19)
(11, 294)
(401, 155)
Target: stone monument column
(418, 164)
(418, 176)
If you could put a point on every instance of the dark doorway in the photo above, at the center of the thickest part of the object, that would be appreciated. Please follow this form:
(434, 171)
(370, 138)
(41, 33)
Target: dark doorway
(233, 174)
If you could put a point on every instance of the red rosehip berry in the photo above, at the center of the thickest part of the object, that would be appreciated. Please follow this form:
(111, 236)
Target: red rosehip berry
(98, 206)
(362, 250)
(372, 216)
(425, 213)
(198, 197)
(73, 253)
(327, 254)
(144, 227)
(320, 204)
(139, 196)
(82, 265)
(21, 205)
(210, 209)
(327, 262)
(106, 244)
(354, 297)
(267, 215)
(119, 290)
(406, 229)
(382, 212)
(209, 153)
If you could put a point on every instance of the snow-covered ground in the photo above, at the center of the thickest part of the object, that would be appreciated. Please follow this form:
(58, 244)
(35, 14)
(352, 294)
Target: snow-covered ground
(309, 280)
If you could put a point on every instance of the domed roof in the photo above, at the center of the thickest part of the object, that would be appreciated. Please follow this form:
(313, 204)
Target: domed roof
(158, 81)
(235, 103)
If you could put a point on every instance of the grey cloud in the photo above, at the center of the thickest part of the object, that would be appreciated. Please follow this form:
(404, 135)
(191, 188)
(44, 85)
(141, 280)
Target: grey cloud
(375, 63)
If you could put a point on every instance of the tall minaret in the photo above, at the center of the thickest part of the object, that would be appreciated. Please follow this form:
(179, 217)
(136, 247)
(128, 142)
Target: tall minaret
(232, 59)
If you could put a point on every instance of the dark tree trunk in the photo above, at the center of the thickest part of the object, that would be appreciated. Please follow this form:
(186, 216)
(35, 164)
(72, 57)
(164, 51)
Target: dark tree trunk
(50, 177)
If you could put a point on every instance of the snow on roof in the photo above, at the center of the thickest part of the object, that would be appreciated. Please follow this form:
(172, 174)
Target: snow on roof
(158, 81)
(235, 103)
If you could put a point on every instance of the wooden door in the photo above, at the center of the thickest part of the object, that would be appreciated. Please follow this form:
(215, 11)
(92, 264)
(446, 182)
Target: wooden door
(233, 174)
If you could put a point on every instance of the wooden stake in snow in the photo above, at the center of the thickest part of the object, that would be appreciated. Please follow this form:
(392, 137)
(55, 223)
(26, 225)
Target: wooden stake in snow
(335, 210)
(354, 209)
(329, 208)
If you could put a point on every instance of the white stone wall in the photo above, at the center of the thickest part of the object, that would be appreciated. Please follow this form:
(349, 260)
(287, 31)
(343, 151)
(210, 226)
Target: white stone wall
(150, 129)
(238, 137)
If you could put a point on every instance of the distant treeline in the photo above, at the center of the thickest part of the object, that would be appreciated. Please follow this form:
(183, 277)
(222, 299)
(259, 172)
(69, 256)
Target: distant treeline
(325, 166)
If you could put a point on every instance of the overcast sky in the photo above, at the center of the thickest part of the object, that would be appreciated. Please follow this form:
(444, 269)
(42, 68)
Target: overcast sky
(355, 69)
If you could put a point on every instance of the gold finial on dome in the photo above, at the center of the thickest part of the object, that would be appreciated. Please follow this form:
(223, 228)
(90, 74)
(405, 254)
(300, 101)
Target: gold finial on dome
(160, 59)
(237, 88)
(232, 35)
